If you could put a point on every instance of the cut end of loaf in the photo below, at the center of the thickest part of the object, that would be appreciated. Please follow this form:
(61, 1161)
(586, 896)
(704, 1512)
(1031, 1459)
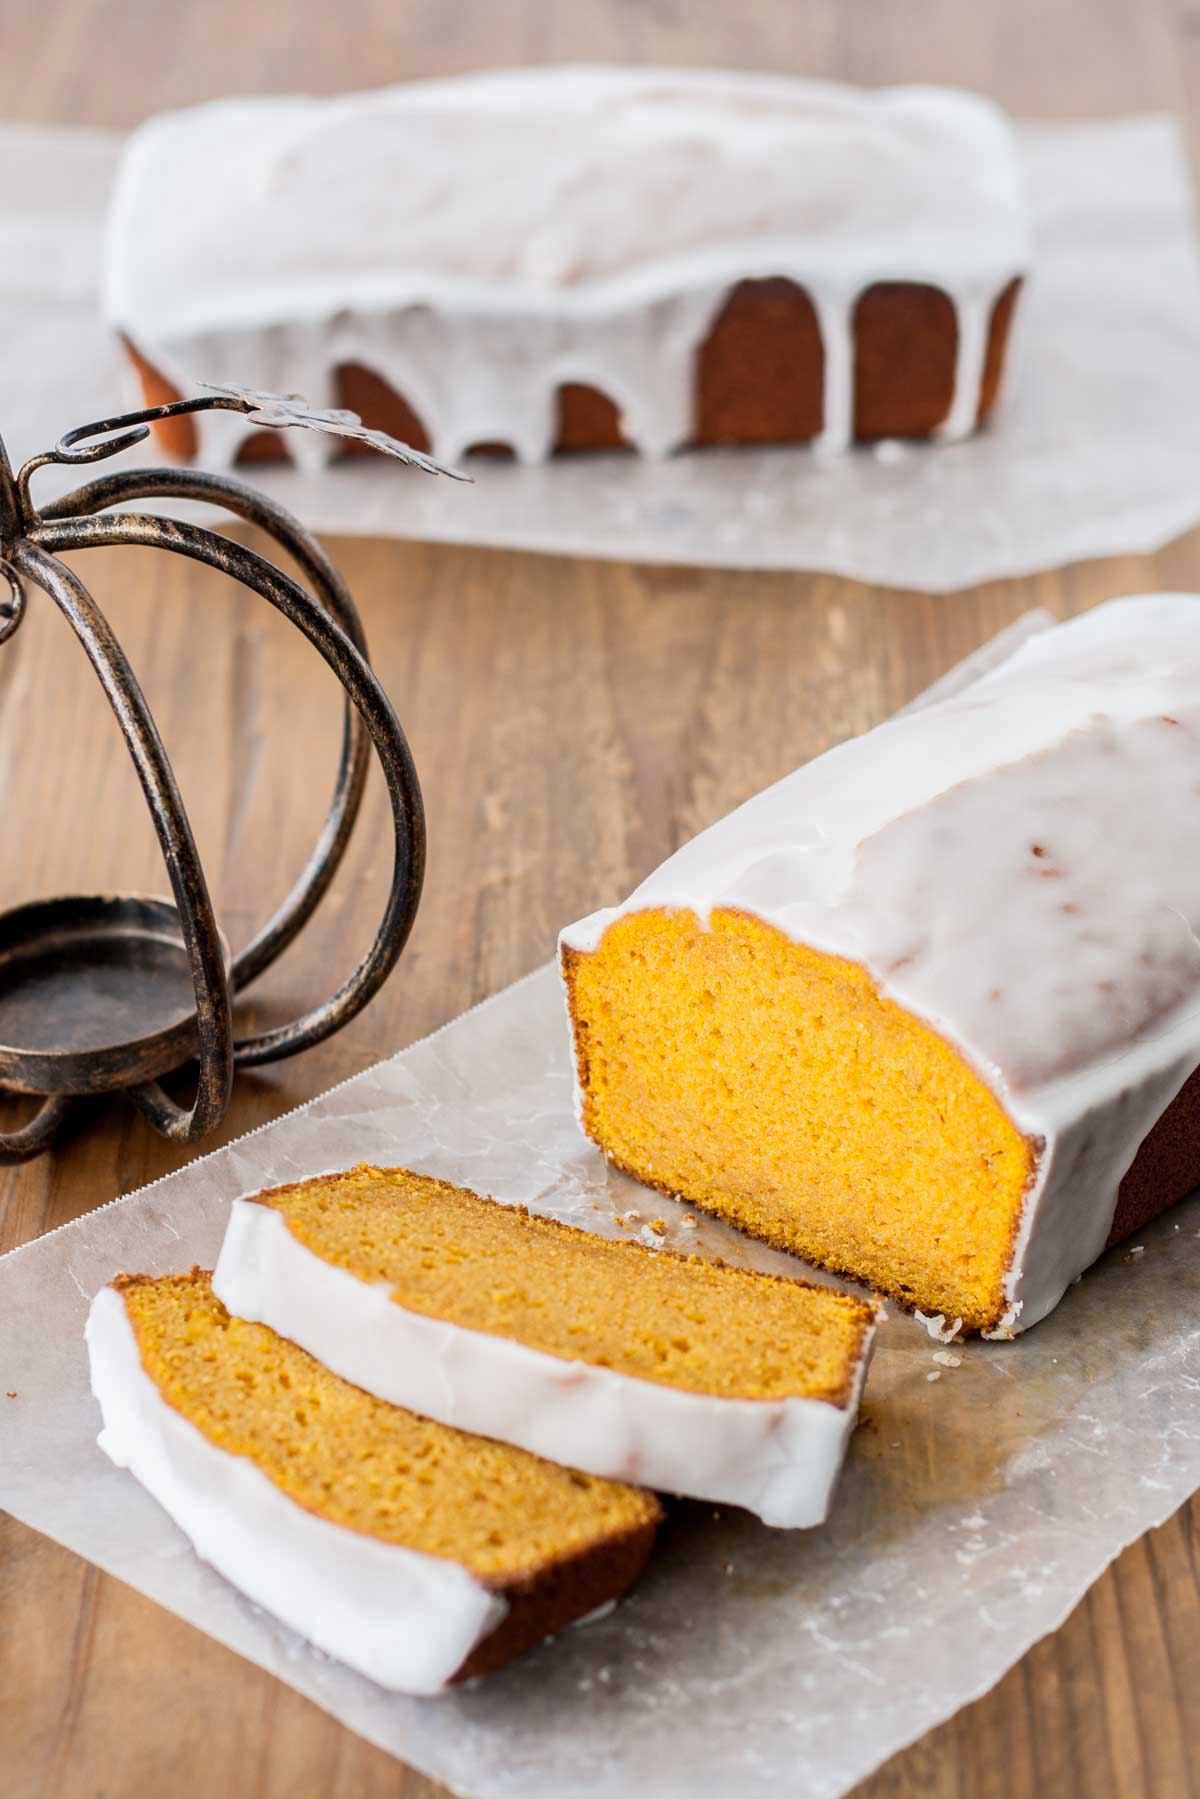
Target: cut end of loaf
(775, 1086)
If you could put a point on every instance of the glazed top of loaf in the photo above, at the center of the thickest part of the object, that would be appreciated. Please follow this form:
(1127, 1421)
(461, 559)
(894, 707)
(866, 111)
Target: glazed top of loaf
(1018, 864)
(562, 189)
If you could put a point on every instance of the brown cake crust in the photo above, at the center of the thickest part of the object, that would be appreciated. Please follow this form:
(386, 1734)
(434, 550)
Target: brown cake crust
(1166, 1167)
(759, 377)
(560, 1594)
(760, 370)
(587, 420)
(361, 390)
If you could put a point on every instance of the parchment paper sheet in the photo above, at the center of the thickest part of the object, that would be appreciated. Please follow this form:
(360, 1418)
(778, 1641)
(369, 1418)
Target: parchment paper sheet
(1096, 450)
(978, 1503)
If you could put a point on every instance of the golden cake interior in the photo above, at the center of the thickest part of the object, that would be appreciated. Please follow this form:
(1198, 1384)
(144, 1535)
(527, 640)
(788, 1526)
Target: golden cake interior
(450, 1254)
(359, 1462)
(774, 1085)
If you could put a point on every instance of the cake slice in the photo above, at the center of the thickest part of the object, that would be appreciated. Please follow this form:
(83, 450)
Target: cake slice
(577, 258)
(927, 1012)
(633, 1363)
(414, 1553)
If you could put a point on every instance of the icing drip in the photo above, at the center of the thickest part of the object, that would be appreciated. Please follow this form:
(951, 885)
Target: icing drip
(478, 242)
(836, 318)
(1018, 865)
(973, 313)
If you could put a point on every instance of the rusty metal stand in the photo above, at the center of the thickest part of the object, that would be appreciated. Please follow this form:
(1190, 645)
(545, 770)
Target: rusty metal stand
(104, 994)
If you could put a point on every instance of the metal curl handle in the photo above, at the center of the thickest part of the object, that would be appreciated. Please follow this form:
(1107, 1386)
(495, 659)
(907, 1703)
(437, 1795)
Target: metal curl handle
(115, 435)
(271, 411)
(30, 1139)
(12, 610)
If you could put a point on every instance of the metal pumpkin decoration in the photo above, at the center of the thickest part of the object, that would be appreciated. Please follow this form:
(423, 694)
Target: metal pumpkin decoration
(108, 994)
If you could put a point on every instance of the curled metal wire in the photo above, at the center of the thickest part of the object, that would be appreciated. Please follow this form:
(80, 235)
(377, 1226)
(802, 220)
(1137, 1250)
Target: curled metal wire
(12, 610)
(265, 411)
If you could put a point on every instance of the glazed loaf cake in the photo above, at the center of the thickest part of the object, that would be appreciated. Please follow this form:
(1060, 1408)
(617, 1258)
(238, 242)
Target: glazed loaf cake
(927, 1012)
(578, 258)
(628, 1362)
(414, 1553)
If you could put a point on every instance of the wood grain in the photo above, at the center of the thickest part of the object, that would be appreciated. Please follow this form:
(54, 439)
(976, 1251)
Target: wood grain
(573, 722)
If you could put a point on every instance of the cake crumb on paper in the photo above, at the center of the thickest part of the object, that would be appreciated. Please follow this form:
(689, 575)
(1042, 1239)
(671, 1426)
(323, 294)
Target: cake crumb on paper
(937, 1327)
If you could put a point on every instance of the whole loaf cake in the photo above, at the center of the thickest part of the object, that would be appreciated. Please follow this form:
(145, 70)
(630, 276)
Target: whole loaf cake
(927, 1012)
(578, 258)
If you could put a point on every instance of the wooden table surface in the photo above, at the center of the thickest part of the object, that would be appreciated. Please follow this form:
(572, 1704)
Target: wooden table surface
(573, 722)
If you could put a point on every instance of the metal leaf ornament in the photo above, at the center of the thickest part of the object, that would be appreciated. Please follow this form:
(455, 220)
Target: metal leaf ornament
(279, 411)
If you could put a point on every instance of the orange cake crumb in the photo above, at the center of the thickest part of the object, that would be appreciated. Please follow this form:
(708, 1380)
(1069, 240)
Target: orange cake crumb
(679, 1320)
(505, 1515)
(774, 1085)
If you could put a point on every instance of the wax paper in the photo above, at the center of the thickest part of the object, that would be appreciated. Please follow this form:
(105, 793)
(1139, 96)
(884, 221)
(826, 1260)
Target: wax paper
(985, 1489)
(1095, 450)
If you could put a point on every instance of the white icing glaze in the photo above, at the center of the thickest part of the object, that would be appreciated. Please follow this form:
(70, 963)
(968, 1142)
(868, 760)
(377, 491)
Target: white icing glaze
(407, 1620)
(479, 241)
(778, 1458)
(1019, 865)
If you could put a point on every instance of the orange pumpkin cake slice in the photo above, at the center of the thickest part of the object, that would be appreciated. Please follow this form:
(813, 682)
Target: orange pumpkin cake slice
(633, 1363)
(413, 1552)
